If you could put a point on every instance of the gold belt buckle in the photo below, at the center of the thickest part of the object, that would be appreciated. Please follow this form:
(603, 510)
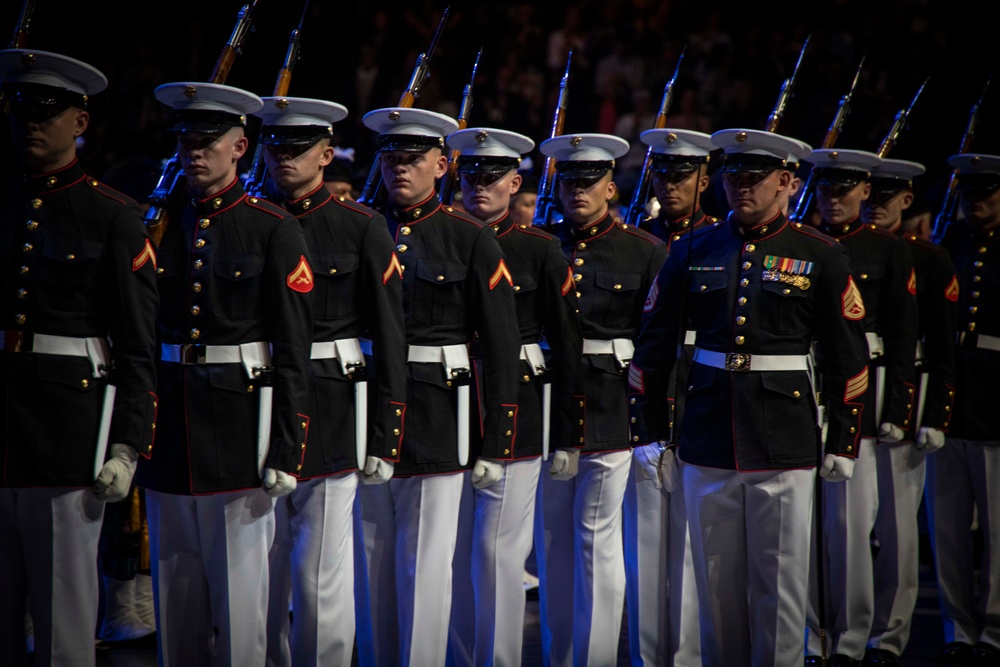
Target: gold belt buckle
(738, 362)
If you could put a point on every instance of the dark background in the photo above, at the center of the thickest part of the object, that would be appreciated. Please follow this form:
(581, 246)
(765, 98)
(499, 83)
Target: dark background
(738, 54)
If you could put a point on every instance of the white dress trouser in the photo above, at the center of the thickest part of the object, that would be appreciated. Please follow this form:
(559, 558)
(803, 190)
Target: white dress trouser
(659, 572)
(312, 566)
(849, 510)
(901, 471)
(581, 564)
(487, 614)
(210, 576)
(408, 526)
(750, 536)
(48, 560)
(963, 475)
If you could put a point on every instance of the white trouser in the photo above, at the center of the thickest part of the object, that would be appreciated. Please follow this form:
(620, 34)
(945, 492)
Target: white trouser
(408, 527)
(312, 566)
(48, 560)
(462, 626)
(210, 576)
(849, 510)
(581, 564)
(659, 571)
(750, 536)
(963, 475)
(901, 470)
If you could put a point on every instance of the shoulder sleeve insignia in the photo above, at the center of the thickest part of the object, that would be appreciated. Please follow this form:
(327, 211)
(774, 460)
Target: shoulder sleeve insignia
(856, 385)
(911, 284)
(568, 283)
(301, 279)
(394, 267)
(654, 292)
(951, 292)
(853, 306)
(636, 381)
(500, 274)
(146, 255)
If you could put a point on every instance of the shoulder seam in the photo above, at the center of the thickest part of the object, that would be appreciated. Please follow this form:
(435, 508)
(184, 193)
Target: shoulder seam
(268, 207)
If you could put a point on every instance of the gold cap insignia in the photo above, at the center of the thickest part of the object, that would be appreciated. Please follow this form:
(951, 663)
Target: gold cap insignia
(575, 141)
(671, 137)
(27, 59)
(393, 115)
(975, 159)
(741, 136)
(281, 103)
(190, 92)
(834, 155)
(481, 135)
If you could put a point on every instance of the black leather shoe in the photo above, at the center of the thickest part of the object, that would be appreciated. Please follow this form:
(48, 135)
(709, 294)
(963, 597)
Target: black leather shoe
(956, 653)
(813, 661)
(841, 660)
(985, 654)
(880, 657)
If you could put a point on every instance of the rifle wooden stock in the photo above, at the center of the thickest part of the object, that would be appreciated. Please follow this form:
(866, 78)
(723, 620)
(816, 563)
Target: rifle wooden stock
(545, 203)
(640, 195)
(19, 38)
(899, 124)
(157, 217)
(373, 185)
(787, 88)
(449, 183)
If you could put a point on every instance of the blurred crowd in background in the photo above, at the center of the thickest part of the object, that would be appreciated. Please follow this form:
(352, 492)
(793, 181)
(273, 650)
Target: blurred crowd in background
(737, 55)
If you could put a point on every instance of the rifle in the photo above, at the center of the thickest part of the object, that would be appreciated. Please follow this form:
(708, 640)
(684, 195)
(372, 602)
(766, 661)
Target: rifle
(156, 217)
(19, 39)
(448, 183)
(947, 213)
(545, 204)
(804, 206)
(257, 176)
(786, 93)
(421, 71)
(637, 207)
(892, 138)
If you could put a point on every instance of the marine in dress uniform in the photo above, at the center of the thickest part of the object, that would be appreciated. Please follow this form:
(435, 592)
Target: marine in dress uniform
(77, 365)
(456, 287)
(883, 271)
(581, 561)
(661, 597)
(356, 304)
(501, 532)
(965, 473)
(757, 290)
(235, 330)
(901, 466)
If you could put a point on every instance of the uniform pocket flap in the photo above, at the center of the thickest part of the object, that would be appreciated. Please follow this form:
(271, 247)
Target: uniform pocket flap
(333, 264)
(72, 251)
(238, 268)
(618, 282)
(793, 385)
(707, 281)
(440, 272)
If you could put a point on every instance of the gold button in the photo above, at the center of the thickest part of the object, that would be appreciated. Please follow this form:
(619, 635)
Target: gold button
(195, 333)
(21, 293)
(796, 393)
(198, 264)
(864, 276)
(786, 291)
(200, 243)
(740, 340)
(306, 204)
(417, 212)
(703, 288)
(617, 286)
(742, 301)
(237, 274)
(581, 246)
(496, 228)
(204, 223)
(401, 247)
(977, 264)
(517, 288)
(909, 405)
(32, 225)
(909, 390)
(447, 383)
(947, 408)
(23, 270)
(506, 452)
(84, 383)
(676, 237)
(581, 405)
(393, 451)
(298, 467)
(302, 445)
(36, 203)
(751, 247)
(578, 262)
(405, 231)
(951, 393)
(27, 247)
(741, 320)
(850, 447)
(250, 389)
(395, 431)
(635, 438)
(196, 287)
(581, 440)
(155, 404)
(593, 230)
(399, 413)
(578, 295)
(747, 265)
(972, 326)
(440, 279)
(153, 426)
(853, 430)
(975, 295)
(20, 318)
(631, 401)
(577, 277)
(526, 378)
(982, 250)
(195, 309)
(508, 433)
(52, 180)
(744, 282)
(763, 230)
(977, 279)
(160, 270)
(854, 411)
(217, 202)
(510, 413)
(632, 419)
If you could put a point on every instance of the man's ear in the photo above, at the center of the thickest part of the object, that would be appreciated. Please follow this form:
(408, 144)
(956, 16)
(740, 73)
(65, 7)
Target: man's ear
(866, 191)
(240, 144)
(441, 165)
(515, 183)
(81, 123)
(906, 201)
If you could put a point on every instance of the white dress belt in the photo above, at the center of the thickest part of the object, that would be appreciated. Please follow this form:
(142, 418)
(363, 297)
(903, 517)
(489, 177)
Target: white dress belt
(984, 342)
(621, 348)
(255, 357)
(738, 361)
(532, 353)
(92, 348)
(345, 350)
(875, 347)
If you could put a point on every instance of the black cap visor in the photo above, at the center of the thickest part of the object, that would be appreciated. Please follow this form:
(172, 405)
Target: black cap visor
(978, 186)
(585, 169)
(294, 135)
(34, 102)
(486, 164)
(408, 143)
(204, 121)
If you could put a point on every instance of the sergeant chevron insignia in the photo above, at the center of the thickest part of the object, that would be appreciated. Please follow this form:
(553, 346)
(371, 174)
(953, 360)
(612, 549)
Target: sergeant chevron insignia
(951, 292)
(856, 385)
(301, 279)
(853, 306)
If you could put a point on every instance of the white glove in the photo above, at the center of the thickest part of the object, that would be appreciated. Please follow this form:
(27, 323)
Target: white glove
(929, 440)
(836, 468)
(377, 471)
(648, 457)
(486, 472)
(889, 433)
(278, 483)
(565, 463)
(115, 478)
